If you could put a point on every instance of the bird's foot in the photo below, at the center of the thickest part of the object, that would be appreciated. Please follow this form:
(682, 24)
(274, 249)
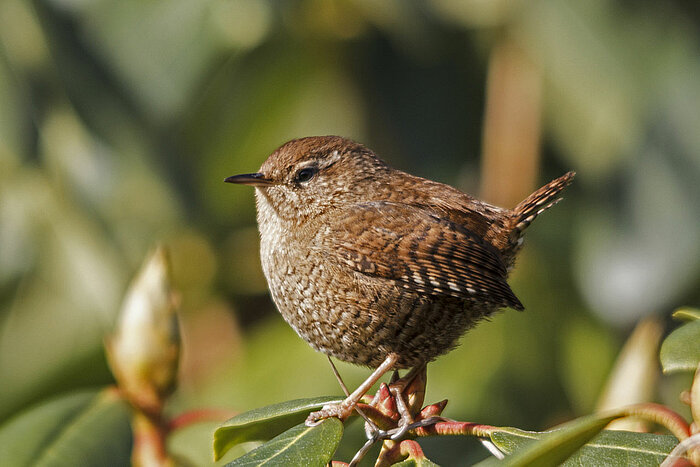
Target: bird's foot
(342, 411)
(406, 418)
(345, 408)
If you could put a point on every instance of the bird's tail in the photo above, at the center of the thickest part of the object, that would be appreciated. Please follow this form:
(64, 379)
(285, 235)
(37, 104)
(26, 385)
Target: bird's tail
(535, 204)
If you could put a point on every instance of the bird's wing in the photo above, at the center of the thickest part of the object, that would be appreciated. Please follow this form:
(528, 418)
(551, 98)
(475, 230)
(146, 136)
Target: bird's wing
(418, 251)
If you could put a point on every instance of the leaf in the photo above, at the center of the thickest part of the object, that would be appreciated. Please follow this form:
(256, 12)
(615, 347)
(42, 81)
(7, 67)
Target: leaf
(680, 351)
(300, 445)
(265, 423)
(83, 428)
(555, 446)
(607, 448)
(687, 314)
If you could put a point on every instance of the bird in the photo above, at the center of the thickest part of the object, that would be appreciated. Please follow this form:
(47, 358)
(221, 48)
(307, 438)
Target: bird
(378, 267)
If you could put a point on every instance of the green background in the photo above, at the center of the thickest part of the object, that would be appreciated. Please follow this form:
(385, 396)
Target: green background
(120, 119)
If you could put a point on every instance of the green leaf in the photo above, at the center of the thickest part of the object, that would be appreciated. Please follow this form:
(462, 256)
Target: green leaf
(265, 423)
(680, 351)
(607, 448)
(555, 446)
(687, 314)
(300, 445)
(82, 428)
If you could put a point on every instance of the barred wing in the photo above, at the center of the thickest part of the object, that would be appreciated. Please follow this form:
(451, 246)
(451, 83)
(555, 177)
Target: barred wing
(420, 252)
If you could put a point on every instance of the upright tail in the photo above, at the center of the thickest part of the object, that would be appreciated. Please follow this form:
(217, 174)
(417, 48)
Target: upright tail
(535, 204)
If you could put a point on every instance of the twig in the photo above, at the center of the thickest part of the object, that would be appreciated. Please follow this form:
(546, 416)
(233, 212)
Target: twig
(197, 416)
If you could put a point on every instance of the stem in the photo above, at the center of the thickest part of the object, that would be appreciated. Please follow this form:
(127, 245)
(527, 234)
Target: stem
(660, 414)
(191, 417)
(456, 428)
(149, 441)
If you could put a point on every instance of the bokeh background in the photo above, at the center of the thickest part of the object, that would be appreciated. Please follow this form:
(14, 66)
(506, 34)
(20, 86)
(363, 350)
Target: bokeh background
(119, 121)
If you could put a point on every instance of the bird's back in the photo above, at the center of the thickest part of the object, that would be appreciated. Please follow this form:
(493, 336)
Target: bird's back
(502, 228)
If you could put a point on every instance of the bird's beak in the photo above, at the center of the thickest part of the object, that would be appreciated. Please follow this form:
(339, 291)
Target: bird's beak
(256, 179)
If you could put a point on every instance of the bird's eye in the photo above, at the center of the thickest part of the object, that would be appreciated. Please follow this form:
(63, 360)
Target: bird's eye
(305, 174)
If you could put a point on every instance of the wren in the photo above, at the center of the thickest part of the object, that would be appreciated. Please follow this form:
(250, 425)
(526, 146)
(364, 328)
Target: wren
(378, 267)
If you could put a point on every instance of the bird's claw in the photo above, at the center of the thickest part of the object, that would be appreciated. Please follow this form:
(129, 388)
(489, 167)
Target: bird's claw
(341, 411)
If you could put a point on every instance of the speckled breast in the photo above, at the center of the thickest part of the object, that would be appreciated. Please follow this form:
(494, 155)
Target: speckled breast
(358, 318)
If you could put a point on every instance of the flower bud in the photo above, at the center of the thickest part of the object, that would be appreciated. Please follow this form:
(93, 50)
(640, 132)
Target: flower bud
(143, 352)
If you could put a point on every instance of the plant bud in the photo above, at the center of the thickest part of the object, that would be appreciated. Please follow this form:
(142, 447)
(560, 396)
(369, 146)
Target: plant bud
(143, 352)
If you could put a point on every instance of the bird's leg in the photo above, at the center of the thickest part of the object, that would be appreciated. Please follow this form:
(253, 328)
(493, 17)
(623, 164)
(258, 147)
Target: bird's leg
(370, 426)
(338, 377)
(394, 377)
(403, 390)
(345, 408)
(402, 408)
(403, 382)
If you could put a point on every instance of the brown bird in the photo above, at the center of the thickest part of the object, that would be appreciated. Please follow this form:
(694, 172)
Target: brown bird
(377, 267)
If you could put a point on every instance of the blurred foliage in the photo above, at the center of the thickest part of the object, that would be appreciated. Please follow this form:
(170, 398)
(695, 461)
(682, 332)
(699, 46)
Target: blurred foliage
(83, 428)
(119, 121)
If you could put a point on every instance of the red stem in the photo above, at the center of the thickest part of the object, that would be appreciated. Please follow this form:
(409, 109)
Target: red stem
(186, 419)
(149, 441)
(662, 415)
(456, 428)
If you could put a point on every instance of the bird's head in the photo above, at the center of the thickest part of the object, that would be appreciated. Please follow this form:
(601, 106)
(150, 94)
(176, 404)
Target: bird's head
(305, 177)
